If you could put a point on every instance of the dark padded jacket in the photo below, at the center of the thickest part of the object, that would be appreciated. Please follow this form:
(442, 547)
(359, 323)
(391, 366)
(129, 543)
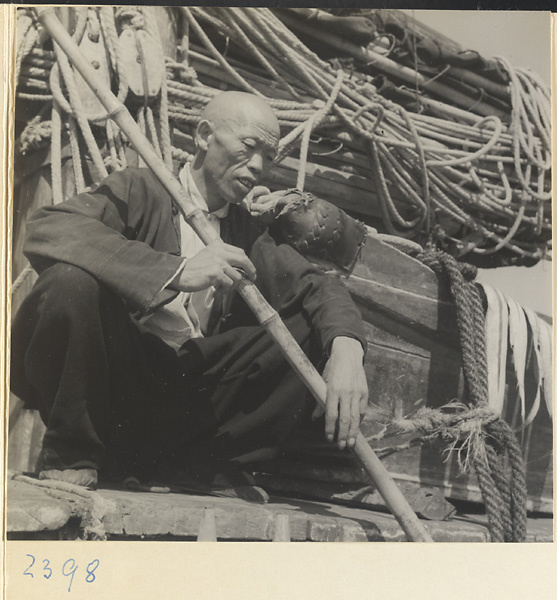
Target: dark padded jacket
(126, 234)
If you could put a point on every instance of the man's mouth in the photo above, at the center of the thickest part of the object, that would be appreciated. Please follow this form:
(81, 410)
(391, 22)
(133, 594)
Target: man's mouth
(246, 182)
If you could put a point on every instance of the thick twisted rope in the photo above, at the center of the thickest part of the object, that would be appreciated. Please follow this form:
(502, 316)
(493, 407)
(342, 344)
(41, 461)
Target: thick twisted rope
(494, 506)
(459, 275)
(166, 138)
(259, 55)
(501, 431)
(504, 493)
(27, 36)
(87, 504)
(75, 106)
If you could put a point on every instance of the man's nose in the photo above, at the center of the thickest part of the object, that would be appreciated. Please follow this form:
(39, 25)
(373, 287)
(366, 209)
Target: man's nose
(255, 164)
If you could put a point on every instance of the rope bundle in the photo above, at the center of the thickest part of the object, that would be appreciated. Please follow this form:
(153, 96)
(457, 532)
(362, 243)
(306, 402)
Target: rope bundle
(467, 171)
(466, 183)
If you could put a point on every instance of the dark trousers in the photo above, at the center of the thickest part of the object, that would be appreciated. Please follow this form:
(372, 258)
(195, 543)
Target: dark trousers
(111, 396)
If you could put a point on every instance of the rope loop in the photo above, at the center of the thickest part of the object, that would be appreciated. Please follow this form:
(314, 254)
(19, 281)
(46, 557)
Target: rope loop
(312, 123)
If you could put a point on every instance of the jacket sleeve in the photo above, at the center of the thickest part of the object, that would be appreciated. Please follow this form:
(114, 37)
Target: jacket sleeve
(291, 283)
(109, 232)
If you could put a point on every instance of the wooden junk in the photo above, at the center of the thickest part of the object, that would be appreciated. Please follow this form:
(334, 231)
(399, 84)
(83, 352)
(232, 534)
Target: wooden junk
(399, 126)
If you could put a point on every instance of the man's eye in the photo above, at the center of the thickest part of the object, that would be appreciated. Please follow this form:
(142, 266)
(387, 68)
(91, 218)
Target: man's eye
(249, 145)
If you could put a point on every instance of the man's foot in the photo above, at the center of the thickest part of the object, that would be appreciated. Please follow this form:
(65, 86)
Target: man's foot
(82, 477)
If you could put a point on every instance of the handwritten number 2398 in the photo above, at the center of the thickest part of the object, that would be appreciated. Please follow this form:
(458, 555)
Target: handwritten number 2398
(69, 569)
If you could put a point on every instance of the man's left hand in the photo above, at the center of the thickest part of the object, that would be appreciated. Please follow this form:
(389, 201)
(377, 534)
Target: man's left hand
(347, 391)
(265, 205)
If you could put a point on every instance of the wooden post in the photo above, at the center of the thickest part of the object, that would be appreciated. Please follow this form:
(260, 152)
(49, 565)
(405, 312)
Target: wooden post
(282, 528)
(207, 528)
(265, 314)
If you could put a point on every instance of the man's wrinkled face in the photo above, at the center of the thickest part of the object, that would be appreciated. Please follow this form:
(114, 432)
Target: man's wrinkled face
(239, 153)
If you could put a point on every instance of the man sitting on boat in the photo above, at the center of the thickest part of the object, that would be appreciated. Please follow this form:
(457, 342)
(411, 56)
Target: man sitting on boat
(133, 346)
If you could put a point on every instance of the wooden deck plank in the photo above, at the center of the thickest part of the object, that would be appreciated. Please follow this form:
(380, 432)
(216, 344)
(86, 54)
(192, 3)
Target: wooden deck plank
(31, 509)
(132, 513)
(148, 515)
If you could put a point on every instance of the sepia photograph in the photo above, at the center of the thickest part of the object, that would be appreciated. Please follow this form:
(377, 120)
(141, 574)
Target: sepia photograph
(279, 275)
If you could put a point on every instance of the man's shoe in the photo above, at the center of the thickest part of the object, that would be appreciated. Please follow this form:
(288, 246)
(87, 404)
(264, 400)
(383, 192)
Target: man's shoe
(83, 477)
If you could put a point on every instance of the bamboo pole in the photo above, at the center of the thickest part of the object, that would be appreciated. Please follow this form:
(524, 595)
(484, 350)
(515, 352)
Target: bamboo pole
(265, 314)
(491, 87)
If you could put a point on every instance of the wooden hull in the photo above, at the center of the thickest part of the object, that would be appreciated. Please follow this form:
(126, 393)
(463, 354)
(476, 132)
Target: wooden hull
(413, 361)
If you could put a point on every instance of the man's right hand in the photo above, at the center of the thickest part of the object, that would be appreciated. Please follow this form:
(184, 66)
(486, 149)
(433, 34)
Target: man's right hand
(216, 265)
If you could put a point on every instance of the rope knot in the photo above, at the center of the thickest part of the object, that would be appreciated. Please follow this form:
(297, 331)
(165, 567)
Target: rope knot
(113, 163)
(128, 16)
(36, 135)
(187, 74)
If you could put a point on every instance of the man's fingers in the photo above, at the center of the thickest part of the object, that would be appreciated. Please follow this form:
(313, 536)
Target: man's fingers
(237, 258)
(230, 249)
(267, 202)
(331, 414)
(344, 421)
(364, 403)
(317, 412)
(219, 265)
(354, 421)
(260, 190)
(228, 278)
(246, 266)
(232, 273)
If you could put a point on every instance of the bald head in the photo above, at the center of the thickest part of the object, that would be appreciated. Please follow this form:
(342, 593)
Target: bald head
(236, 142)
(240, 107)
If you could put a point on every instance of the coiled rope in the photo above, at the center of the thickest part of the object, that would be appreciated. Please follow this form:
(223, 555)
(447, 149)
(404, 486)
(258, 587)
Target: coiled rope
(491, 178)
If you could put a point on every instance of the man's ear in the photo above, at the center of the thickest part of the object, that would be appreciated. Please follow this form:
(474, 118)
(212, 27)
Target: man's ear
(203, 135)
